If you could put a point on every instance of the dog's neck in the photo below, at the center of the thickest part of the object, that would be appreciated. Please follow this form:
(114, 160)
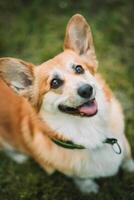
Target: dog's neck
(89, 132)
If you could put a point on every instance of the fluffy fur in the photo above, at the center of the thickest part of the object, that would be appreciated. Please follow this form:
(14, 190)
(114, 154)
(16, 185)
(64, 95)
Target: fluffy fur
(98, 159)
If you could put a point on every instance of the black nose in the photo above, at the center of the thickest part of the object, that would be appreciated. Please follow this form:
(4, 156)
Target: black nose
(85, 91)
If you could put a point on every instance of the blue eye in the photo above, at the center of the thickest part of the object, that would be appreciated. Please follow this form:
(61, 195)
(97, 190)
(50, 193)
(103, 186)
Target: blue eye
(56, 83)
(79, 69)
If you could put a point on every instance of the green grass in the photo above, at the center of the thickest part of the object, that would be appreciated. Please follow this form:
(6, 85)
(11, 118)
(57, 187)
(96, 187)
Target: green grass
(34, 31)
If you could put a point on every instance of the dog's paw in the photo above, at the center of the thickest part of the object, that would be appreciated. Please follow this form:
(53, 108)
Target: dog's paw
(50, 170)
(128, 165)
(87, 186)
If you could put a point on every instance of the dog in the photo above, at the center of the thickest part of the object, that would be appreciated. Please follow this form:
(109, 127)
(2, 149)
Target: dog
(74, 100)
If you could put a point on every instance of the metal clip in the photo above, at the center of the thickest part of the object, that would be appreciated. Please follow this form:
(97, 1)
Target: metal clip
(115, 145)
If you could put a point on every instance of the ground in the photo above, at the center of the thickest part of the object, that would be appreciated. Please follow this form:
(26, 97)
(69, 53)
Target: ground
(34, 31)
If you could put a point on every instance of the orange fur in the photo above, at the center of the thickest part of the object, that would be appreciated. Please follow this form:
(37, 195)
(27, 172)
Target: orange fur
(21, 128)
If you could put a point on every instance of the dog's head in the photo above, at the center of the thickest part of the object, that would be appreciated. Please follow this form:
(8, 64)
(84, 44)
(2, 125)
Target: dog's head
(66, 83)
(69, 77)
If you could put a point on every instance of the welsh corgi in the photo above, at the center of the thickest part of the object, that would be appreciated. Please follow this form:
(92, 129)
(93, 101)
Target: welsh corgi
(76, 103)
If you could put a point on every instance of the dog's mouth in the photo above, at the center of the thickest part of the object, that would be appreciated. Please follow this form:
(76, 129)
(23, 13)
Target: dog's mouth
(88, 109)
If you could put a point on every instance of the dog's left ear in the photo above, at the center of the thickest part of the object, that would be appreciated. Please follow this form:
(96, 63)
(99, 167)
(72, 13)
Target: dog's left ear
(78, 38)
(18, 74)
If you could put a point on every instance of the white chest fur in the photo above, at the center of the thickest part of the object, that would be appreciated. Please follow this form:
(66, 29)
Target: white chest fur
(101, 161)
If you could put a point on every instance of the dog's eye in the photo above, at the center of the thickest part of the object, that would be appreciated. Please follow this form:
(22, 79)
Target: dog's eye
(55, 83)
(79, 69)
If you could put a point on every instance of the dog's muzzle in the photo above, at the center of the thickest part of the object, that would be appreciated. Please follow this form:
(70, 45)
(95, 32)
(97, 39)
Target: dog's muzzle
(87, 109)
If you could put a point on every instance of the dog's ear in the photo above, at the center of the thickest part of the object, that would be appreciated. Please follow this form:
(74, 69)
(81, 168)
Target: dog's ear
(18, 74)
(78, 38)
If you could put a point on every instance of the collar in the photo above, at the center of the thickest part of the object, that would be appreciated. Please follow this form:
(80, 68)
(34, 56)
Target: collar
(70, 145)
(67, 144)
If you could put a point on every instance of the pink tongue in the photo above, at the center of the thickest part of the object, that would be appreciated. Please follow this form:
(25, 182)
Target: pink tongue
(90, 109)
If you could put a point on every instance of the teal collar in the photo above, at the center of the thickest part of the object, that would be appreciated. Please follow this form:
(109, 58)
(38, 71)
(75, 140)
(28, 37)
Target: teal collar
(71, 145)
(67, 144)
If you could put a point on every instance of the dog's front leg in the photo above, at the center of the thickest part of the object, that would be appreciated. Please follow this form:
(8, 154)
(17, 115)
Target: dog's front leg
(47, 167)
(39, 149)
(86, 185)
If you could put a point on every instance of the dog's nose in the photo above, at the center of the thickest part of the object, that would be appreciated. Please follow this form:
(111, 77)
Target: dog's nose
(85, 91)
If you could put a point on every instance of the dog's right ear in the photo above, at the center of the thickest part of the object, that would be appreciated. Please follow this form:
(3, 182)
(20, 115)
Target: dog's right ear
(18, 74)
(79, 38)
